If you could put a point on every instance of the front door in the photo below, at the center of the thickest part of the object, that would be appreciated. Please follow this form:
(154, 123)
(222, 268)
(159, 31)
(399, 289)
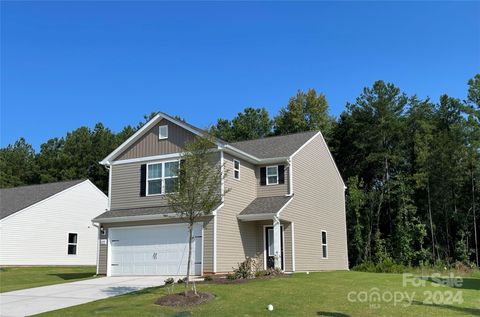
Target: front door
(270, 255)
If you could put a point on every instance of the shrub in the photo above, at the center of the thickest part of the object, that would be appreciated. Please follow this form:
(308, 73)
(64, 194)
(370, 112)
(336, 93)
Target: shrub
(169, 281)
(248, 268)
(268, 272)
(181, 280)
(231, 276)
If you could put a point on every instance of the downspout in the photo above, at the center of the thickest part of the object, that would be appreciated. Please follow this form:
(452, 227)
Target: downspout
(98, 244)
(109, 167)
(215, 225)
(290, 176)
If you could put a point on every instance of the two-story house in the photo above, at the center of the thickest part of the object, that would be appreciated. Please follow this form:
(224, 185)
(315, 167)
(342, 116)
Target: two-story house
(286, 203)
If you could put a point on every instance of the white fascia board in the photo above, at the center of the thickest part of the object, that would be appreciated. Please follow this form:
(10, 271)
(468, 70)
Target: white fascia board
(148, 158)
(255, 217)
(96, 188)
(284, 206)
(130, 140)
(135, 218)
(329, 154)
(46, 199)
(143, 129)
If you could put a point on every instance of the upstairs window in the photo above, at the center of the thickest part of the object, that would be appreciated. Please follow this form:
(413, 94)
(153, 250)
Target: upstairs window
(72, 243)
(154, 179)
(324, 245)
(163, 132)
(272, 175)
(162, 177)
(236, 169)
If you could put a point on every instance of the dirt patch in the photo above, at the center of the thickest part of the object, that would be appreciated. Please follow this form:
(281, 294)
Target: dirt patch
(180, 299)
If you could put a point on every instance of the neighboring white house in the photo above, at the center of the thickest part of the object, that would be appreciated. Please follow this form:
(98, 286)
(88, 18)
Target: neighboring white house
(50, 224)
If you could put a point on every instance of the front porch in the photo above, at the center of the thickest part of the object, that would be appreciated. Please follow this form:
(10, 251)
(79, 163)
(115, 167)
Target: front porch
(274, 236)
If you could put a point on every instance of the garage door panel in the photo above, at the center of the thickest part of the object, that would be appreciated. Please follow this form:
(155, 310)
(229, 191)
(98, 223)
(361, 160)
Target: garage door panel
(154, 250)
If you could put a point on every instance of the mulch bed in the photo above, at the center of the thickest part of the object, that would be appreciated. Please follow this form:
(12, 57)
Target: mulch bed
(219, 279)
(180, 299)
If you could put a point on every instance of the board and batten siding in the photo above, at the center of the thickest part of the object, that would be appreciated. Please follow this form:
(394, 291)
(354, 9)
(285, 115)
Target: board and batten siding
(38, 235)
(236, 239)
(150, 145)
(207, 240)
(318, 204)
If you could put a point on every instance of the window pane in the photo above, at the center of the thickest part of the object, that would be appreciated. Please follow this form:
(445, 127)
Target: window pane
(270, 242)
(171, 169)
(72, 249)
(272, 171)
(324, 237)
(236, 165)
(171, 185)
(324, 250)
(155, 187)
(272, 179)
(237, 174)
(154, 171)
(72, 238)
(163, 131)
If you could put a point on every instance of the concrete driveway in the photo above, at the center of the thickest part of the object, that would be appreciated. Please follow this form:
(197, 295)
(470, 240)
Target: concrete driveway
(46, 298)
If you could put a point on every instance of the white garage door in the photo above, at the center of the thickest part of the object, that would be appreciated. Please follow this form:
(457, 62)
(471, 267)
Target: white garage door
(154, 250)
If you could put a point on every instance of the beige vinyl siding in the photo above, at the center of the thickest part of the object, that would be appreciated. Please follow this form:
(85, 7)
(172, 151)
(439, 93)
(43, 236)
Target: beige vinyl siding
(236, 239)
(150, 145)
(318, 204)
(207, 240)
(125, 192)
(272, 190)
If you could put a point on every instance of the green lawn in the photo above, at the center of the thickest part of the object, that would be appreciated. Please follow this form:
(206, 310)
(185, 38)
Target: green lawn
(14, 278)
(316, 294)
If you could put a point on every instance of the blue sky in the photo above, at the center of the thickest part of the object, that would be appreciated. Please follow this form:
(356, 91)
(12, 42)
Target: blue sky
(64, 64)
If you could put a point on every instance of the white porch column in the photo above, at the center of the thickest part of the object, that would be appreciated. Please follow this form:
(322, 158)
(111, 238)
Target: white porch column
(277, 243)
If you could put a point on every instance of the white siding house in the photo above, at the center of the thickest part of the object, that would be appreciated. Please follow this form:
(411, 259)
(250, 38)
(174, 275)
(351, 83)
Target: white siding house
(53, 226)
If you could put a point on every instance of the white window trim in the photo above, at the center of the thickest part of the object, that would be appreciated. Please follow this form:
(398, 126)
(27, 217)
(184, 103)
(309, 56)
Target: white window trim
(75, 244)
(236, 170)
(324, 244)
(266, 174)
(160, 137)
(162, 178)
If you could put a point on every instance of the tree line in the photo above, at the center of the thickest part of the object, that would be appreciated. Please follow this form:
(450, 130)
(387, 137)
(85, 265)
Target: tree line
(411, 166)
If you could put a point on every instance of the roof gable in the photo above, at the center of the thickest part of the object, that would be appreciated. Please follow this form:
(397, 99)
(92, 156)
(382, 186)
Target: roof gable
(18, 198)
(125, 146)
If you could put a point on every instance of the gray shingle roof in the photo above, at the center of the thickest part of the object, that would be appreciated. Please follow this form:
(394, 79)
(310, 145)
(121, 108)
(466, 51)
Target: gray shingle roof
(18, 198)
(133, 212)
(276, 146)
(146, 211)
(266, 205)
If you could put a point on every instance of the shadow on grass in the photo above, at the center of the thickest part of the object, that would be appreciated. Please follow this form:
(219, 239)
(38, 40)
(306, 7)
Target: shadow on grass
(72, 276)
(464, 310)
(120, 290)
(466, 283)
(331, 314)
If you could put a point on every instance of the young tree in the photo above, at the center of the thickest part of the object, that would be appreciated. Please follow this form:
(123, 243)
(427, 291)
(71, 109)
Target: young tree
(199, 186)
